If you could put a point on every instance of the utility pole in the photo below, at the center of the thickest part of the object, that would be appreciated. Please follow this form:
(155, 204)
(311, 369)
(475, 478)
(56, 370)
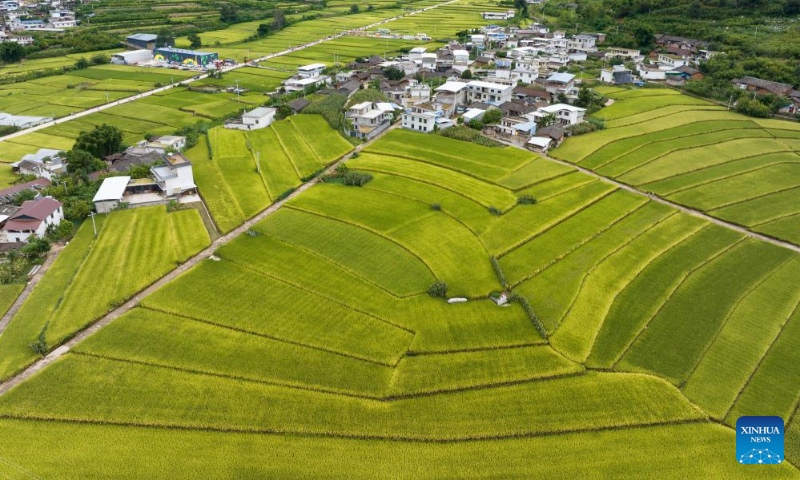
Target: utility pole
(94, 226)
(65, 187)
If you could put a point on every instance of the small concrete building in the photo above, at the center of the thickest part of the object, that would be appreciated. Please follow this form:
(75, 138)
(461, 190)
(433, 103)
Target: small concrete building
(110, 194)
(255, 119)
(174, 177)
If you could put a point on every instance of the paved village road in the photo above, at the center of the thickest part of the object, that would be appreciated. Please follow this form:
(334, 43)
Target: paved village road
(205, 254)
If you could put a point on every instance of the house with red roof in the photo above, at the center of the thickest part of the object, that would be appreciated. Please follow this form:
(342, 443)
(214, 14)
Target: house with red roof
(33, 218)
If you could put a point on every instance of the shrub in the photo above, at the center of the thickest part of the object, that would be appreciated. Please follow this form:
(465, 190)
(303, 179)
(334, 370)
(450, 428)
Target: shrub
(438, 290)
(515, 297)
(526, 199)
(467, 134)
(495, 211)
(753, 108)
(356, 179)
(284, 194)
(499, 272)
(436, 207)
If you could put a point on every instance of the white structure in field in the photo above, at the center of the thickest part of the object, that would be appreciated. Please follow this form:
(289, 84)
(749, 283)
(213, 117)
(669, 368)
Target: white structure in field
(33, 219)
(45, 163)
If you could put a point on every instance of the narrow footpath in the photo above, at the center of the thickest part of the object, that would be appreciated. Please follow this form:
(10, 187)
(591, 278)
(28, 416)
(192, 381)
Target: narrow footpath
(51, 257)
(203, 255)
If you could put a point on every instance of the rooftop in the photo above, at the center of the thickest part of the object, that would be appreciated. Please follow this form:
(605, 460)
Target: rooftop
(112, 188)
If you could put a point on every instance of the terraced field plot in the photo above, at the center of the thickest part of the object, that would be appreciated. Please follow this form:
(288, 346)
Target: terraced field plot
(235, 187)
(740, 169)
(314, 334)
(133, 248)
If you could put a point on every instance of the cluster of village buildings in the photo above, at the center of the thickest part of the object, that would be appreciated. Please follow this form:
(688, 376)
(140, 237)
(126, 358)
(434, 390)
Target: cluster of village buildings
(19, 16)
(169, 177)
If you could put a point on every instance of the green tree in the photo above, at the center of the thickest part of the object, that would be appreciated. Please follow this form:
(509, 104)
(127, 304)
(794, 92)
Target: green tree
(522, 6)
(278, 19)
(354, 8)
(393, 73)
(547, 120)
(228, 13)
(644, 36)
(195, 41)
(584, 97)
(11, 52)
(82, 63)
(81, 162)
(165, 38)
(466, 74)
(101, 141)
(492, 116)
(23, 196)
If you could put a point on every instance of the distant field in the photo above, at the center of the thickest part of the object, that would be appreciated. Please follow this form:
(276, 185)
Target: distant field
(743, 170)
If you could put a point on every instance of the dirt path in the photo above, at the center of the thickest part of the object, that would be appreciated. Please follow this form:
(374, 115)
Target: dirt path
(683, 208)
(51, 257)
(289, 50)
(133, 302)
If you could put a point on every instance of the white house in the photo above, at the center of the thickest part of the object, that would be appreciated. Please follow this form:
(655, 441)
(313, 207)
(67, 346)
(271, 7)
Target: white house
(671, 62)
(369, 119)
(565, 114)
(415, 54)
(487, 92)
(419, 119)
(45, 163)
(616, 75)
(460, 57)
(450, 95)
(623, 52)
(647, 72)
(163, 143)
(560, 83)
(507, 15)
(428, 60)
(298, 83)
(479, 40)
(110, 193)
(174, 177)
(255, 119)
(473, 114)
(33, 218)
(311, 70)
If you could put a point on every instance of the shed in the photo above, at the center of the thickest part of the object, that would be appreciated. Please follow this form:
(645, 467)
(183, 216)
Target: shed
(110, 193)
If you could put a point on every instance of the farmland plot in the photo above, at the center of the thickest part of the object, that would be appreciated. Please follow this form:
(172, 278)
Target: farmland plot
(314, 333)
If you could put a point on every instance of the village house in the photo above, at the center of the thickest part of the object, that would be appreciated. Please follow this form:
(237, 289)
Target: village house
(767, 87)
(255, 119)
(33, 219)
(560, 83)
(369, 119)
(546, 138)
(669, 61)
(450, 96)
(507, 15)
(308, 76)
(8, 194)
(487, 92)
(620, 52)
(45, 163)
(174, 176)
(164, 143)
(616, 75)
(419, 119)
(565, 114)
